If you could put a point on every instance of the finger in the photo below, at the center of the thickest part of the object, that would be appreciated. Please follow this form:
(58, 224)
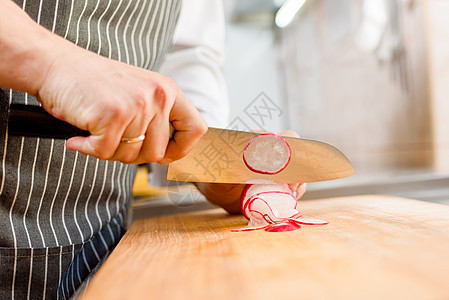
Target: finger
(300, 191)
(156, 140)
(128, 152)
(260, 131)
(289, 133)
(294, 186)
(102, 142)
(189, 126)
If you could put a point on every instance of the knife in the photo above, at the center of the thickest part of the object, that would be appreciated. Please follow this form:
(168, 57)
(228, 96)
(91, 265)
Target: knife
(217, 157)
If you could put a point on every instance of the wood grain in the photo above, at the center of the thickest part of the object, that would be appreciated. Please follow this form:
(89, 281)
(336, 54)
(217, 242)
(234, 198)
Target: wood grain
(375, 247)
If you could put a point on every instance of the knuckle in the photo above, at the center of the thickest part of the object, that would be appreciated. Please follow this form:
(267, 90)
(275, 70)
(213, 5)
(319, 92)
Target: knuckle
(161, 96)
(117, 111)
(171, 83)
(181, 153)
(203, 128)
(200, 129)
(165, 92)
(104, 154)
(129, 158)
(167, 81)
(126, 161)
(153, 155)
(141, 99)
(159, 156)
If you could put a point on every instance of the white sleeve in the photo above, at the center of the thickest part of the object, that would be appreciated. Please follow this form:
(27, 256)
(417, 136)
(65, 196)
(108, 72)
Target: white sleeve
(195, 63)
(196, 58)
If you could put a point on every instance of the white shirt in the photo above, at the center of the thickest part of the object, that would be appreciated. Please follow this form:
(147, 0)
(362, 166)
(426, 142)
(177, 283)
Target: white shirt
(195, 62)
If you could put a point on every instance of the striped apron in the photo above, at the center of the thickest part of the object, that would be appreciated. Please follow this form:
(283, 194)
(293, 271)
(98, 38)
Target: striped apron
(61, 213)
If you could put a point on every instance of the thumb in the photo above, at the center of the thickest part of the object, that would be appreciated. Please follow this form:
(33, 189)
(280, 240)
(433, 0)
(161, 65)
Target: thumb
(289, 133)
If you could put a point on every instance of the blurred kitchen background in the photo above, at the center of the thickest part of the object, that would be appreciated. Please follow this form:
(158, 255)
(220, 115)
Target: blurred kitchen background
(370, 77)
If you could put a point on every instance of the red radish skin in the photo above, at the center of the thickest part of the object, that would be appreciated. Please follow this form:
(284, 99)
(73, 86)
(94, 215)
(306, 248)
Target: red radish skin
(267, 153)
(282, 227)
(249, 228)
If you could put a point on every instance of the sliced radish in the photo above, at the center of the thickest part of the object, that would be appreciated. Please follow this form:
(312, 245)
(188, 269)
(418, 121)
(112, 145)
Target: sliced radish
(252, 228)
(253, 189)
(282, 227)
(277, 204)
(267, 153)
(272, 206)
(303, 221)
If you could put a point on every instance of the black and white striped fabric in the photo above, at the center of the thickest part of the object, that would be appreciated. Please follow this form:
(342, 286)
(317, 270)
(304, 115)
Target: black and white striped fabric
(61, 212)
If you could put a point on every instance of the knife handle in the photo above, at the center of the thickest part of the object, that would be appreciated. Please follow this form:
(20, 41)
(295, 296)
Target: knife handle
(34, 121)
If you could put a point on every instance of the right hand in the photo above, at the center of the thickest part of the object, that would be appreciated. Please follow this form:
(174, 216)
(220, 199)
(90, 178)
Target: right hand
(112, 100)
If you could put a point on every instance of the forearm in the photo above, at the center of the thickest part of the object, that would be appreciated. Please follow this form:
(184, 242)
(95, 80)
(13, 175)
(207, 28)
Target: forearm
(26, 49)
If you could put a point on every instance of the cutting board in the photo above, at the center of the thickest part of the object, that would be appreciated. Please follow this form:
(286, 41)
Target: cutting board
(374, 247)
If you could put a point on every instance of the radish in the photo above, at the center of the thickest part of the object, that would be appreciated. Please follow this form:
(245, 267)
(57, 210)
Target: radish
(282, 227)
(267, 153)
(272, 207)
(253, 189)
(250, 228)
(302, 221)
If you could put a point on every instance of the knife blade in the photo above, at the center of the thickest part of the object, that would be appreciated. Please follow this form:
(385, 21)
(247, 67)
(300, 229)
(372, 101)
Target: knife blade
(218, 157)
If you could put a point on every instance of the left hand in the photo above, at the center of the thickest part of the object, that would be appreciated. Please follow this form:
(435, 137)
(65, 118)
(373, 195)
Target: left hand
(227, 195)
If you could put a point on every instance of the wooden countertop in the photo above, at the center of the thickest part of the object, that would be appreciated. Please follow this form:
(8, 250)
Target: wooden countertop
(374, 247)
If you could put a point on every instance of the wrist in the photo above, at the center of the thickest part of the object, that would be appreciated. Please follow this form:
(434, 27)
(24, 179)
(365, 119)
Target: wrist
(27, 50)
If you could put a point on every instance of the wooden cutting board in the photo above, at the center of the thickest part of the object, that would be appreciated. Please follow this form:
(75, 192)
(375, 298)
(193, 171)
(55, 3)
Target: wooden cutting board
(374, 247)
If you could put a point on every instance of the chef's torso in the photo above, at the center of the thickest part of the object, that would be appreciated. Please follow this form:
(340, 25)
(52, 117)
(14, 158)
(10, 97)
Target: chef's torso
(56, 204)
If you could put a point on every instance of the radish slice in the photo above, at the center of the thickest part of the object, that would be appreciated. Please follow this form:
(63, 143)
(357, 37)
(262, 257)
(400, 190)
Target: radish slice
(254, 189)
(253, 228)
(271, 207)
(308, 221)
(283, 227)
(267, 153)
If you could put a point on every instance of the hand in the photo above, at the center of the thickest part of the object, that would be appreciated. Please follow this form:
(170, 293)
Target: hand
(227, 195)
(112, 100)
(108, 98)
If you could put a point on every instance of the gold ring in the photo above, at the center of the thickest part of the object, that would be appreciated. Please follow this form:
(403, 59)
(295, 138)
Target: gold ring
(138, 139)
